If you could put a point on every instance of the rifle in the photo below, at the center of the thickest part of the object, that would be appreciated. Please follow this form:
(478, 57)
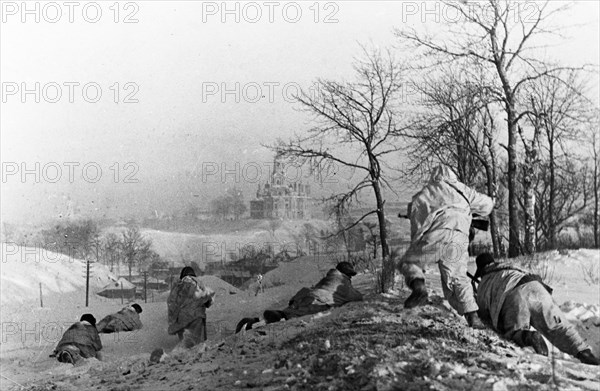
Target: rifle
(477, 222)
(480, 223)
(473, 282)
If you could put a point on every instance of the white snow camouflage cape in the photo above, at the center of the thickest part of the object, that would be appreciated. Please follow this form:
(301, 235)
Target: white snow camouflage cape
(443, 205)
(187, 302)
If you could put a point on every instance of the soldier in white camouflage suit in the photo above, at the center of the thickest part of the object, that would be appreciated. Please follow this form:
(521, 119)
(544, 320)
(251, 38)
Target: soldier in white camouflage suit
(80, 341)
(333, 290)
(187, 304)
(127, 319)
(440, 217)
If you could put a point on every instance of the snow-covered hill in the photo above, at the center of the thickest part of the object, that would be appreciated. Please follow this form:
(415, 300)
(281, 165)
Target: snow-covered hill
(23, 269)
(376, 344)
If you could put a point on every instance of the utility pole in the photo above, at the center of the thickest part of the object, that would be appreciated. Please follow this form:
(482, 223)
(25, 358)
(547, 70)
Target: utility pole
(145, 290)
(87, 276)
(87, 282)
(171, 276)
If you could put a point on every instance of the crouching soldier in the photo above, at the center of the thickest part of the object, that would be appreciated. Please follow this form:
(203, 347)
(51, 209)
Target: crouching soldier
(334, 290)
(187, 304)
(440, 216)
(128, 319)
(80, 341)
(512, 300)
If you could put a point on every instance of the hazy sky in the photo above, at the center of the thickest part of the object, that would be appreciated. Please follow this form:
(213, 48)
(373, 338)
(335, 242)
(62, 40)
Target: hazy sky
(162, 118)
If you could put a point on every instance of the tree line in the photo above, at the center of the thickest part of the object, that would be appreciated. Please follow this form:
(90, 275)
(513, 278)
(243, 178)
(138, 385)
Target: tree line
(229, 205)
(82, 239)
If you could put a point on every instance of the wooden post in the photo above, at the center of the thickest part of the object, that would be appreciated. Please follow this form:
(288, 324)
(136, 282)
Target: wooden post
(41, 298)
(145, 290)
(153, 289)
(87, 283)
(121, 292)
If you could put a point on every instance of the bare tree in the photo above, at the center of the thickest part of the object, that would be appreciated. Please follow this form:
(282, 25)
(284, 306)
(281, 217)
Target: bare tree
(490, 165)
(229, 204)
(560, 111)
(135, 247)
(572, 195)
(489, 34)
(356, 127)
(74, 238)
(530, 175)
(342, 219)
(112, 250)
(372, 236)
(238, 207)
(595, 160)
(456, 128)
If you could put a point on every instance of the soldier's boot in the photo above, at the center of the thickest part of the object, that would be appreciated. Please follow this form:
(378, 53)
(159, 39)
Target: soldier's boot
(587, 357)
(536, 341)
(419, 294)
(474, 321)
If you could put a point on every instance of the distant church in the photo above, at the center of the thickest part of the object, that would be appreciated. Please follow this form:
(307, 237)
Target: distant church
(281, 199)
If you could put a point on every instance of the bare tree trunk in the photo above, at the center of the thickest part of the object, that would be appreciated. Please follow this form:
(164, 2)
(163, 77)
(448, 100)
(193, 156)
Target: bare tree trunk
(551, 201)
(494, 226)
(339, 217)
(529, 179)
(514, 242)
(387, 269)
(529, 209)
(492, 185)
(596, 238)
(374, 247)
(596, 195)
(496, 240)
(343, 231)
(513, 212)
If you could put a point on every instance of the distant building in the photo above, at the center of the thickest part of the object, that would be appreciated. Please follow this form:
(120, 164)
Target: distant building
(280, 198)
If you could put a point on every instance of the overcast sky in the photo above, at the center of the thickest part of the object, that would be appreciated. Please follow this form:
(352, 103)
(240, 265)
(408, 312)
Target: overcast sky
(162, 116)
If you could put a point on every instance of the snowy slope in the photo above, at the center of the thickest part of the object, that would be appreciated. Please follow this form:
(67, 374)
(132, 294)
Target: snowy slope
(23, 269)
